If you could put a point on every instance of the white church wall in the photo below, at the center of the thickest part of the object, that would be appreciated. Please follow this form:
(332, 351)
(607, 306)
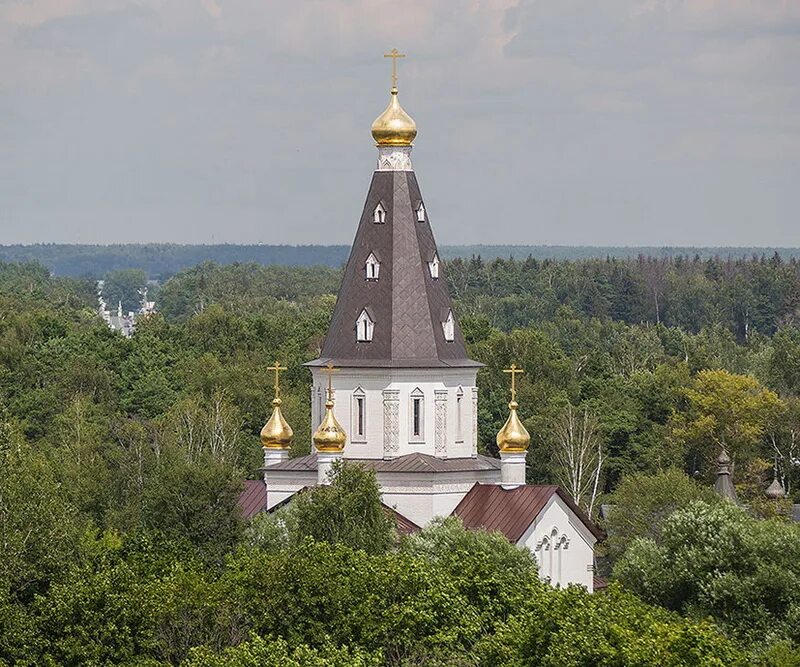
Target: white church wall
(281, 485)
(423, 497)
(563, 546)
(388, 401)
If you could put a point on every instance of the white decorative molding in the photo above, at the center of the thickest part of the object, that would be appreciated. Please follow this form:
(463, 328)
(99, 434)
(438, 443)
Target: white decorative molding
(440, 439)
(394, 158)
(391, 423)
(432, 490)
(474, 421)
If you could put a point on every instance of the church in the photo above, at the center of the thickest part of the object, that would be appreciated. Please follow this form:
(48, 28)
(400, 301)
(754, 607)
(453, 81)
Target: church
(394, 390)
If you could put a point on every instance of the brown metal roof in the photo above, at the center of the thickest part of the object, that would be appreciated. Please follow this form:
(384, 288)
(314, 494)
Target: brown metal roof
(253, 499)
(406, 302)
(404, 525)
(512, 511)
(416, 462)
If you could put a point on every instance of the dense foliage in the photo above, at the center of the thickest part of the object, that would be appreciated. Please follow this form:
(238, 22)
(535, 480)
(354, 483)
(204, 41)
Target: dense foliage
(122, 460)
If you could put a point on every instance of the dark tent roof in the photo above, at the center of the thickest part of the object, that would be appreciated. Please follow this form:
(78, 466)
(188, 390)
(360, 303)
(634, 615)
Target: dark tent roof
(406, 303)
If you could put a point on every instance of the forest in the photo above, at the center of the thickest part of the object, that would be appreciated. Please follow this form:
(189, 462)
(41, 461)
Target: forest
(123, 458)
(161, 261)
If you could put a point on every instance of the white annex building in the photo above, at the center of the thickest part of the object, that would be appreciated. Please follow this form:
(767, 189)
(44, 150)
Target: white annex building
(393, 388)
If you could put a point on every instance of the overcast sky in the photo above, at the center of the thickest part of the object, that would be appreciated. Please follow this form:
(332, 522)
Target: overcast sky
(581, 122)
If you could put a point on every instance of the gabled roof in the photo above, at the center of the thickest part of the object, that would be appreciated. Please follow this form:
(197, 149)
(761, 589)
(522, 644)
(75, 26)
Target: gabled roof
(405, 302)
(253, 498)
(416, 462)
(512, 511)
(403, 524)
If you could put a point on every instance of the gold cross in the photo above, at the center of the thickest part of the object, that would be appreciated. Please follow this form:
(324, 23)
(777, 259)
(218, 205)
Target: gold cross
(513, 371)
(330, 370)
(277, 368)
(394, 54)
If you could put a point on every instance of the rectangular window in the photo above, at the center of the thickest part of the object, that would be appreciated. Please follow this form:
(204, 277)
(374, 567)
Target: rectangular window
(459, 431)
(417, 417)
(360, 415)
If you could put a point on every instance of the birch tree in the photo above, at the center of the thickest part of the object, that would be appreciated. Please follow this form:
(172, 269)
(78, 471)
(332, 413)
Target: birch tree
(578, 456)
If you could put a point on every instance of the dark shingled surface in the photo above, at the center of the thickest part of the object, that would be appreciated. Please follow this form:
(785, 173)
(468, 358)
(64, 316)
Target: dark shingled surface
(416, 462)
(511, 511)
(253, 498)
(406, 303)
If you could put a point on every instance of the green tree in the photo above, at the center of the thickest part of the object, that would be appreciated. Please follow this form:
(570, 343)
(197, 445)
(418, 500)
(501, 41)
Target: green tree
(125, 286)
(725, 410)
(346, 511)
(641, 503)
(715, 560)
(260, 652)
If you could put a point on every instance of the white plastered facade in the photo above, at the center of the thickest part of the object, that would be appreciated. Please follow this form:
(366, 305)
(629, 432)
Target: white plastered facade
(562, 544)
(449, 410)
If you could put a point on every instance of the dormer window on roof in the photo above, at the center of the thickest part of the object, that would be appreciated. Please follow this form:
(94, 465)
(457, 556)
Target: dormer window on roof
(379, 214)
(364, 327)
(421, 212)
(433, 267)
(372, 267)
(449, 327)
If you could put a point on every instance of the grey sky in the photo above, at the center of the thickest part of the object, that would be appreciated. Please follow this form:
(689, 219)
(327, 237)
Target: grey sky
(591, 122)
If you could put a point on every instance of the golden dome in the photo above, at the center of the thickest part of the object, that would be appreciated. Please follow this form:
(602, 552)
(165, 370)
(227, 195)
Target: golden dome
(330, 436)
(394, 127)
(276, 434)
(513, 437)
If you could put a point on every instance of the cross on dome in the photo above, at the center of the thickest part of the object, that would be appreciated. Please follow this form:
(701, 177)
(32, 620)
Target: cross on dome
(278, 369)
(394, 54)
(513, 371)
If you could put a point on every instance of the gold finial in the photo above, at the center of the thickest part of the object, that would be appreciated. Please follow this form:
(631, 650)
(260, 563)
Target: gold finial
(394, 127)
(329, 436)
(276, 434)
(394, 54)
(513, 437)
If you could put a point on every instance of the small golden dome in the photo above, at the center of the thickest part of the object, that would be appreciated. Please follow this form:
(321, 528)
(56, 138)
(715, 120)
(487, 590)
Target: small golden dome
(330, 436)
(394, 127)
(276, 434)
(513, 437)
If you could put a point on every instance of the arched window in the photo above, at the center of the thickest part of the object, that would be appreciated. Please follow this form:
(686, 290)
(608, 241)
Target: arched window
(449, 327)
(372, 267)
(552, 563)
(417, 416)
(421, 212)
(460, 415)
(364, 327)
(359, 418)
(433, 266)
(545, 558)
(561, 546)
(379, 214)
(320, 405)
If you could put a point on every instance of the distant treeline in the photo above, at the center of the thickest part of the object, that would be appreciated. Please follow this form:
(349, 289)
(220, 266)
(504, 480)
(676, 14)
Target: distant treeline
(162, 260)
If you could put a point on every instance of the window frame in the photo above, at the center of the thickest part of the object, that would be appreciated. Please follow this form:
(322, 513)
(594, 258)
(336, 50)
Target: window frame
(369, 327)
(373, 263)
(416, 417)
(358, 416)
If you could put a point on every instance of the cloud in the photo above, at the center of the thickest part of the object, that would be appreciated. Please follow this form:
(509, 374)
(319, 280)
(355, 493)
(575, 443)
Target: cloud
(171, 110)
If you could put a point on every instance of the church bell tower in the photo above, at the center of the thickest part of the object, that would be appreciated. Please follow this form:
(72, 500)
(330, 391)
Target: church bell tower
(405, 384)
